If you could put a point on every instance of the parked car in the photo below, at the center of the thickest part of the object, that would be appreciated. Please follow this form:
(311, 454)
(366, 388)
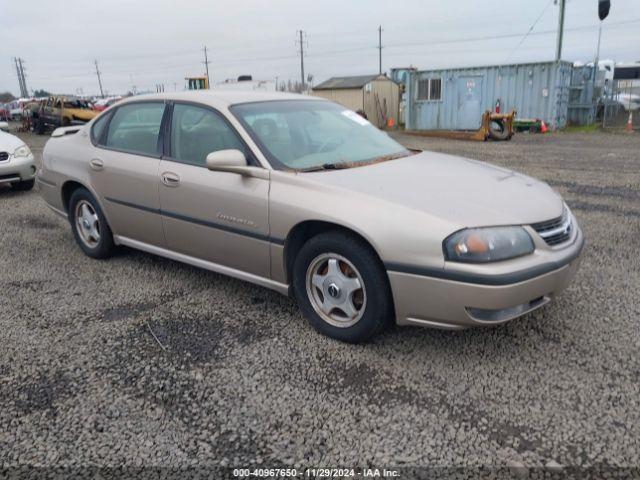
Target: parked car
(17, 165)
(5, 114)
(105, 103)
(64, 111)
(300, 195)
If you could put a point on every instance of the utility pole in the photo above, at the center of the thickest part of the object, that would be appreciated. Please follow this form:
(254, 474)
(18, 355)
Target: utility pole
(380, 48)
(99, 79)
(15, 59)
(24, 77)
(560, 31)
(603, 12)
(206, 64)
(597, 59)
(22, 82)
(302, 58)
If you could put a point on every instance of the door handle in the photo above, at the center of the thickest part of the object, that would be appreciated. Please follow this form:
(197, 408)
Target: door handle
(170, 179)
(96, 164)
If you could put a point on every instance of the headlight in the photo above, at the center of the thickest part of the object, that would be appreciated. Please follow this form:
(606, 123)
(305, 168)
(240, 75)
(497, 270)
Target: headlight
(481, 245)
(22, 151)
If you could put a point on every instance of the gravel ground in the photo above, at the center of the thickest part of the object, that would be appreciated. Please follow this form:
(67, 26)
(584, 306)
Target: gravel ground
(141, 361)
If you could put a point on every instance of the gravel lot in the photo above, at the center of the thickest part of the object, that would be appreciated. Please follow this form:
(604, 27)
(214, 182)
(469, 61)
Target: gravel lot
(236, 377)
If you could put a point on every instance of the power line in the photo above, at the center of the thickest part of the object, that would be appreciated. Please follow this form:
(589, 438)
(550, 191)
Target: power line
(327, 53)
(533, 25)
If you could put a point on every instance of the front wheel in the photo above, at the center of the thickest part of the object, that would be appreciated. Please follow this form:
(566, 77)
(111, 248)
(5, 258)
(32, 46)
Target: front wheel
(342, 287)
(89, 225)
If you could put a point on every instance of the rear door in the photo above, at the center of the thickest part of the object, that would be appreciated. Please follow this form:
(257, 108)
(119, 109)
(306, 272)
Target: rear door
(219, 217)
(124, 170)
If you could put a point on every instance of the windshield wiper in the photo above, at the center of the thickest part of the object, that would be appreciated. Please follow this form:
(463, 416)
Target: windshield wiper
(344, 165)
(326, 166)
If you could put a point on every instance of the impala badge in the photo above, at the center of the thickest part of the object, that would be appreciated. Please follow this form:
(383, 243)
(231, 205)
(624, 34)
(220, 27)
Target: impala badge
(241, 221)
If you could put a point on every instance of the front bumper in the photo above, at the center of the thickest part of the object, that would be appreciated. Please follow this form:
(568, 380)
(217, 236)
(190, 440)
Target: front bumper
(433, 301)
(17, 169)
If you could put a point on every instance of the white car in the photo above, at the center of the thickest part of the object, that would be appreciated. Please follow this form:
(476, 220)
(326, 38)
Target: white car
(17, 164)
(629, 101)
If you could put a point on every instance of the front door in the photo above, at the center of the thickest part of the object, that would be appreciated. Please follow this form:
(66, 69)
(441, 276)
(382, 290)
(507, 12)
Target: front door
(219, 217)
(469, 103)
(124, 170)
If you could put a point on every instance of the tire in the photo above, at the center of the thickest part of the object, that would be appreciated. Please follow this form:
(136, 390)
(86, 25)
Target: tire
(93, 235)
(40, 126)
(371, 306)
(23, 186)
(498, 130)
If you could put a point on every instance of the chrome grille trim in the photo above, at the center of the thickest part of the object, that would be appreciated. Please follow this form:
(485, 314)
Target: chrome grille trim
(4, 156)
(557, 230)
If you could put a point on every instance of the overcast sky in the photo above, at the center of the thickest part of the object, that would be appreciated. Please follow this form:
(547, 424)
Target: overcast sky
(142, 43)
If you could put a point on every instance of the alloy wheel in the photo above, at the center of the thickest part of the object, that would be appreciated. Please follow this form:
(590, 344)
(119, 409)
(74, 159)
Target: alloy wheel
(336, 290)
(87, 224)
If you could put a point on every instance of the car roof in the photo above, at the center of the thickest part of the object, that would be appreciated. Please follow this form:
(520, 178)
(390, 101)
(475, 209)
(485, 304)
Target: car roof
(219, 98)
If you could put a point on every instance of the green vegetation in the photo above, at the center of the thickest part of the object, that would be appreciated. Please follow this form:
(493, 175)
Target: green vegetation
(6, 97)
(592, 128)
(41, 93)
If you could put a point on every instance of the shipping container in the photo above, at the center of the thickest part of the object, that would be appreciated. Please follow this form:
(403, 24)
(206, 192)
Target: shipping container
(455, 99)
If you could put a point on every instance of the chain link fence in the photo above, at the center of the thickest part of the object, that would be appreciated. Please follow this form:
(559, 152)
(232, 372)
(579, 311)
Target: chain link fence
(621, 105)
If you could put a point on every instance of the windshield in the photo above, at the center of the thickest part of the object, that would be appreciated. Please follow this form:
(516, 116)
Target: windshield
(310, 134)
(75, 104)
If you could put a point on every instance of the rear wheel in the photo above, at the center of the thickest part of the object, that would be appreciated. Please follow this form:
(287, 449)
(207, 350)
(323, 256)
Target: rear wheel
(89, 226)
(23, 186)
(342, 288)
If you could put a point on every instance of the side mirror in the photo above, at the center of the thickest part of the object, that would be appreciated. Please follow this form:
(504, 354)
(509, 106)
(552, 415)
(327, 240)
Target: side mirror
(234, 161)
(4, 126)
(227, 161)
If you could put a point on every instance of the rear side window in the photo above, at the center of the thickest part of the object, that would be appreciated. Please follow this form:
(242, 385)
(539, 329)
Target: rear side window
(196, 132)
(135, 128)
(98, 128)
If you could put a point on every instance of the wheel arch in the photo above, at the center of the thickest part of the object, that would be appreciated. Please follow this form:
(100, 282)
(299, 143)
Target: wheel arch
(307, 229)
(70, 186)
(67, 190)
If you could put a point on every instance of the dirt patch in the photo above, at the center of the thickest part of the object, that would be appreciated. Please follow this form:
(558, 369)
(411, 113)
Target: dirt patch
(37, 393)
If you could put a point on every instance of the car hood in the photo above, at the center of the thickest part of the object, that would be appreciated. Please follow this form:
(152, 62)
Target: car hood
(8, 142)
(467, 192)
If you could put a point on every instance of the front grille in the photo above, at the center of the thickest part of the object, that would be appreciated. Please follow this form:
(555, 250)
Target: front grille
(555, 231)
(4, 156)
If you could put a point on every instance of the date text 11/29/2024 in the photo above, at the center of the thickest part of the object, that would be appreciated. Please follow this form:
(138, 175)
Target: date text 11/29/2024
(316, 473)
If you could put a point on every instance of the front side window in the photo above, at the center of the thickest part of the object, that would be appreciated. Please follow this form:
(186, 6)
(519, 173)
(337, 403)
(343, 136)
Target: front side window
(310, 134)
(196, 132)
(135, 128)
(98, 128)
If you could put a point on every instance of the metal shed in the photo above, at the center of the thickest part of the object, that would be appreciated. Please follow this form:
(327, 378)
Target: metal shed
(376, 95)
(455, 99)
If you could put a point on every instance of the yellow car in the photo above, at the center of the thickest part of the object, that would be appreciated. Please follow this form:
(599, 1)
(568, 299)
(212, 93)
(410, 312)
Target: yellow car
(65, 111)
